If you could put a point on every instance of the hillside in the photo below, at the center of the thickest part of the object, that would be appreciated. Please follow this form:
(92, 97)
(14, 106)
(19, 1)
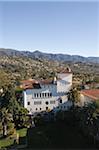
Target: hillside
(23, 65)
(49, 56)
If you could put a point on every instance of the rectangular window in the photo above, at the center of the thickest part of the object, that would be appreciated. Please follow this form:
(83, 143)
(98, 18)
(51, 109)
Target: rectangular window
(37, 103)
(45, 94)
(42, 94)
(52, 102)
(28, 103)
(35, 95)
(60, 100)
(50, 94)
(46, 108)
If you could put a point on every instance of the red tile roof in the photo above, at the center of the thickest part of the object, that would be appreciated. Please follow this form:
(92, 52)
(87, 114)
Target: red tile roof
(93, 93)
(46, 81)
(29, 84)
(32, 83)
(29, 81)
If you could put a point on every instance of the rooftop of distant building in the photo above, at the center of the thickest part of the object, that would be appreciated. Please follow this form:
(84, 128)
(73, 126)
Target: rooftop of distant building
(92, 93)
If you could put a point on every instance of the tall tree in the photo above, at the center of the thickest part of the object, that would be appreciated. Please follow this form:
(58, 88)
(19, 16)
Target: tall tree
(6, 118)
(74, 96)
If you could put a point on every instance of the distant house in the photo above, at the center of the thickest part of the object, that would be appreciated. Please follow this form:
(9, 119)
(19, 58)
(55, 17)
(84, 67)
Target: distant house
(46, 95)
(89, 96)
(91, 85)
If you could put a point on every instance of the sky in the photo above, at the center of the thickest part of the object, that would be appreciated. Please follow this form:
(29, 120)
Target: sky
(52, 27)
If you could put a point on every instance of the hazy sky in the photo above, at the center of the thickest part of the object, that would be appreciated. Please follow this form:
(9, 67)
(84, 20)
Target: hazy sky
(55, 27)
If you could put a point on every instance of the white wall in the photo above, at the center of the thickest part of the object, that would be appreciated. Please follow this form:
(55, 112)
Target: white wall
(57, 90)
(25, 99)
(64, 85)
(85, 99)
(29, 97)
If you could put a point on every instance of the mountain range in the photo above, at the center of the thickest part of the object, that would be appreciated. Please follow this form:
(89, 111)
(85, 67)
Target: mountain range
(49, 56)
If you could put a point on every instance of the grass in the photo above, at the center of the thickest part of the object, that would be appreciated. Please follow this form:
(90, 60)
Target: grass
(22, 132)
(8, 141)
(57, 135)
(5, 142)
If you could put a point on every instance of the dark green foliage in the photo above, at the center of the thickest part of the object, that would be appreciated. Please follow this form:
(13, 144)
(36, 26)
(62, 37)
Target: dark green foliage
(7, 125)
(57, 135)
(88, 119)
(21, 118)
(74, 96)
(96, 79)
(12, 114)
(39, 120)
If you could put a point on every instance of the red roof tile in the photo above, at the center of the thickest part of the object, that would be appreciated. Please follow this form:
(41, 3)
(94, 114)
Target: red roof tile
(32, 83)
(29, 81)
(93, 93)
(46, 81)
(29, 84)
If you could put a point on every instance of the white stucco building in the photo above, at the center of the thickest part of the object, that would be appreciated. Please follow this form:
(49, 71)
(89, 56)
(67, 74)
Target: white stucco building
(46, 95)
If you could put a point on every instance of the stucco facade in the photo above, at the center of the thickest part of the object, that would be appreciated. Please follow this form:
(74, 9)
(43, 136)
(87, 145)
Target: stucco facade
(89, 96)
(50, 96)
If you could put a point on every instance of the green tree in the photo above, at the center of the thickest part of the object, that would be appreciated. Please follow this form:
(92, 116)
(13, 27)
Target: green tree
(7, 122)
(88, 117)
(74, 96)
(19, 113)
(22, 118)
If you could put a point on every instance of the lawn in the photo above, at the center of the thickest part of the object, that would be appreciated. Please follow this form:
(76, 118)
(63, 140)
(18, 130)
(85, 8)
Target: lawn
(22, 132)
(57, 135)
(6, 142)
